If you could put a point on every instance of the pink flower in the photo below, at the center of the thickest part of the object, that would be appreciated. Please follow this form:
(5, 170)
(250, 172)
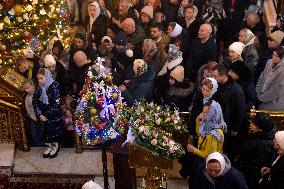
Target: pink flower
(171, 150)
(154, 141)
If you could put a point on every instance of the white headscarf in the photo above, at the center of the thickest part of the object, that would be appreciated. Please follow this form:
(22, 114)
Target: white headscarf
(214, 89)
(217, 156)
(98, 11)
(279, 137)
(177, 30)
(91, 185)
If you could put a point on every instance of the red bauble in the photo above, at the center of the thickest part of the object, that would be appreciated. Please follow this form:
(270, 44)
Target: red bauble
(9, 3)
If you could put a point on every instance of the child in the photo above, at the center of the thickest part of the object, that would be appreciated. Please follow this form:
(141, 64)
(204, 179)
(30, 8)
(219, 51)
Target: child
(34, 125)
(210, 128)
(26, 67)
(46, 102)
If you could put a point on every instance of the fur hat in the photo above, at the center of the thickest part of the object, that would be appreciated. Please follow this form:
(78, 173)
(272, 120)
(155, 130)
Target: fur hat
(139, 66)
(277, 36)
(220, 158)
(91, 185)
(148, 10)
(263, 121)
(178, 73)
(49, 60)
(279, 137)
(237, 47)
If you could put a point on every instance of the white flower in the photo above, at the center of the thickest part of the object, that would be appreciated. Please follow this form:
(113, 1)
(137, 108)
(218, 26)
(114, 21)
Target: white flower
(42, 12)
(171, 143)
(168, 119)
(142, 109)
(29, 8)
(141, 129)
(178, 127)
(1, 26)
(129, 53)
(12, 12)
(175, 121)
(158, 108)
(158, 121)
(26, 16)
(19, 19)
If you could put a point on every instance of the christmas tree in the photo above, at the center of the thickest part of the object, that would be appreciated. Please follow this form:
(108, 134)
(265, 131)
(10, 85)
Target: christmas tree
(100, 114)
(28, 24)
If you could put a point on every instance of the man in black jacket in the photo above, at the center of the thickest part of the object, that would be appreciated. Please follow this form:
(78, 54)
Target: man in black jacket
(231, 97)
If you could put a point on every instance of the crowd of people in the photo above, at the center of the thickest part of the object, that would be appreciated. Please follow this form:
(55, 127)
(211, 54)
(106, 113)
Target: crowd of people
(212, 58)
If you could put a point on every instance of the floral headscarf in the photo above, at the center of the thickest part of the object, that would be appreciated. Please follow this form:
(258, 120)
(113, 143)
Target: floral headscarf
(48, 81)
(214, 120)
(150, 48)
(173, 53)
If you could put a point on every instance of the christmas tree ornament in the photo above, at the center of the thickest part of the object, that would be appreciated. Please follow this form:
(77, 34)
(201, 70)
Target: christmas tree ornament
(1, 26)
(26, 16)
(29, 8)
(42, 12)
(35, 2)
(7, 20)
(18, 9)
(12, 12)
(19, 19)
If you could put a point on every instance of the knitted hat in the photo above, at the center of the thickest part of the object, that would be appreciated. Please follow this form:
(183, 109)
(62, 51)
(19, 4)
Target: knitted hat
(91, 185)
(139, 66)
(178, 73)
(277, 36)
(80, 36)
(148, 10)
(279, 137)
(263, 121)
(120, 39)
(237, 47)
(217, 156)
(49, 60)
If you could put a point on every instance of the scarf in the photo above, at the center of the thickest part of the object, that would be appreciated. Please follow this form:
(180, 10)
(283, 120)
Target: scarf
(150, 48)
(173, 53)
(98, 11)
(49, 80)
(214, 120)
(214, 89)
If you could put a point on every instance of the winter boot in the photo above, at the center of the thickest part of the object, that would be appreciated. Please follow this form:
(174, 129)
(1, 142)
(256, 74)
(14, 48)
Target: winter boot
(47, 150)
(54, 150)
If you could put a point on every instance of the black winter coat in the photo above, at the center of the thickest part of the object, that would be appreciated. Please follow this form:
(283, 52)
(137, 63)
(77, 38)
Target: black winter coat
(232, 100)
(233, 179)
(99, 28)
(140, 87)
(256, 152)
(53, 127)
(277, 174)
(199, 54)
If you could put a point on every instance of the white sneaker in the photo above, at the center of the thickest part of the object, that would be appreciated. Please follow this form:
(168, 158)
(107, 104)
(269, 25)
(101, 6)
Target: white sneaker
(47, 150)
(54, 150)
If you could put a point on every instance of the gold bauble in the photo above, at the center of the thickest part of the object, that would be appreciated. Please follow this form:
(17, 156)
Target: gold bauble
(114, 95)
(18, 9)
(93, 111)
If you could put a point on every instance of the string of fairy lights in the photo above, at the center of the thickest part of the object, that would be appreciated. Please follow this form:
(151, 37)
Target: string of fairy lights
(29, 24)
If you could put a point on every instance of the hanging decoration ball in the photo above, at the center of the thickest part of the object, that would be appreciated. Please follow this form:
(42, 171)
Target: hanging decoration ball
(9, 3)
(18, 9)
(114, 96)
(3, 47)
(93, 111)
(29, 8)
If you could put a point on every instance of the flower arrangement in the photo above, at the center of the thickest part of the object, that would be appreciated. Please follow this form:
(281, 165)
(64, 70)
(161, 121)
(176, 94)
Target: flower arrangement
(100, 114)
(152, 127)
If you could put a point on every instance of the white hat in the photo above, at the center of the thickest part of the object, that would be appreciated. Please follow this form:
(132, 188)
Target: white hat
(217, 156)
(237, 47)
(178, 73)
(177, 30)
(91, 185)
(49, 60)
(279, 137)
(148, 10)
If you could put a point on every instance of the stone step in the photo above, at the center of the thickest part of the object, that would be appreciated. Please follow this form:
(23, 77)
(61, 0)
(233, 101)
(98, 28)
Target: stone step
(6, 154)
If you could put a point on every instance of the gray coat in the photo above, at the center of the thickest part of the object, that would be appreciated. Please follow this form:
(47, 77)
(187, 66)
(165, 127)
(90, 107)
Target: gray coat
(270, 87)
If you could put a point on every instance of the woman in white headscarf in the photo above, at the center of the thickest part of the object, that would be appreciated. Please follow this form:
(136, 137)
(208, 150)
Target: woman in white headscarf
(276, 171)
(96, 23)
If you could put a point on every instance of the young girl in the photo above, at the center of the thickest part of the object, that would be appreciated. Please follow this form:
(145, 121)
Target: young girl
(46, 102)
(210, 128)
